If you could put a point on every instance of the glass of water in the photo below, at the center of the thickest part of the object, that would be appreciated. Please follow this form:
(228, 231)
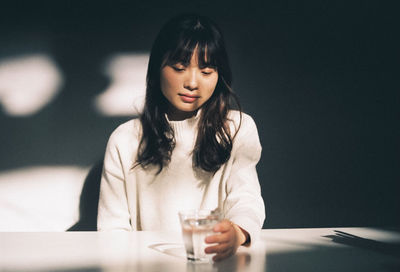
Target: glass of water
(196, 226)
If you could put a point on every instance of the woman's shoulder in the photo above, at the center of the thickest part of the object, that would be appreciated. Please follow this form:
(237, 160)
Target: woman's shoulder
(127, 131)
(242, 121)
(246, 134)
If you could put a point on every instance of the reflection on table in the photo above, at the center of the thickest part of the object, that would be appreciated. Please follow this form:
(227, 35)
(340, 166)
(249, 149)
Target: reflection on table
(325, 249)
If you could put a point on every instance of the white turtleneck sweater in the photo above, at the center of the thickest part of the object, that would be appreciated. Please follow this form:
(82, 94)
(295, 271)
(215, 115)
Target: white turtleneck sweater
(138, 199)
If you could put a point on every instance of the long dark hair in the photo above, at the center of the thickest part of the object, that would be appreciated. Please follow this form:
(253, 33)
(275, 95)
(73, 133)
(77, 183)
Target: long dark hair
(176, 43)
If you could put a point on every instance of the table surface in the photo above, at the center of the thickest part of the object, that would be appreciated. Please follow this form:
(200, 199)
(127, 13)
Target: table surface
(322, 249)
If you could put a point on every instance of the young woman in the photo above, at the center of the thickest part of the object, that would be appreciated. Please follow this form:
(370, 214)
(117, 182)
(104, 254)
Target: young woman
(189, 149)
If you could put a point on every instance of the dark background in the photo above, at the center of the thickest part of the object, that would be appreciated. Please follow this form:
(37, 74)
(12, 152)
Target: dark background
(320, 78)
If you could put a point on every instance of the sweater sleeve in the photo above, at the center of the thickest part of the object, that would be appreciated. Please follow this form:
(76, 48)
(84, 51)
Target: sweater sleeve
(113, 212)
(244, 204)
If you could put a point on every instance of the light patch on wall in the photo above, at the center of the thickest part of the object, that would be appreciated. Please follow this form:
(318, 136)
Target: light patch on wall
(43, 198)
(126, 92)
(28, 83)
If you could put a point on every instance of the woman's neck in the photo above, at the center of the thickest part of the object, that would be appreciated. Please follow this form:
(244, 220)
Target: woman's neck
(176, 115)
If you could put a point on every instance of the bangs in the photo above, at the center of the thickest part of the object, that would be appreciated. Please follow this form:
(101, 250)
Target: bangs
(183, 51)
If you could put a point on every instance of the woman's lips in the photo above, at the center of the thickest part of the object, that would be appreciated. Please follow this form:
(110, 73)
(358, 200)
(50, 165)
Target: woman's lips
(188, 98)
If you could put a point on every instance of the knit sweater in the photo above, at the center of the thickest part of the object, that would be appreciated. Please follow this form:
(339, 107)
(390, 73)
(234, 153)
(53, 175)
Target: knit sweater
(133, 198)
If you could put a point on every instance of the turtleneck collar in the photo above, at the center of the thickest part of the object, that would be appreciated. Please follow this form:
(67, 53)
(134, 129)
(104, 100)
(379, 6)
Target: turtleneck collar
(185, 128)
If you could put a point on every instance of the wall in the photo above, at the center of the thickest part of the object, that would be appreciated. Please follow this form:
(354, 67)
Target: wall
(320, 79)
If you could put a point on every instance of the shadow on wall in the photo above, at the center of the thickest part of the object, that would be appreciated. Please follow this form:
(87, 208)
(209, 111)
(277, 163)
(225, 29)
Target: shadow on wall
(89, 200)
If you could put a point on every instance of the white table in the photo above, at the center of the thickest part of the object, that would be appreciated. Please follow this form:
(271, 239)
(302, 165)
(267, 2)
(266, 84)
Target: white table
(278, 250)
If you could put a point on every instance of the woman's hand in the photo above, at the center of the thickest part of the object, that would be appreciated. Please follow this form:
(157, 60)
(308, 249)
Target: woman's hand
(227, 241)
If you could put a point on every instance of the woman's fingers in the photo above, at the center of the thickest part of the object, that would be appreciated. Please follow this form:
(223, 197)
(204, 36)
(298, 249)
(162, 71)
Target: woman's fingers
(219, 248)
(222, 251)
(226, 232)
(225, 241)
(218, 238)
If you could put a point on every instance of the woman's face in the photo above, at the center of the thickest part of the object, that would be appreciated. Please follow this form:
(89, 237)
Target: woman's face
(187, 88)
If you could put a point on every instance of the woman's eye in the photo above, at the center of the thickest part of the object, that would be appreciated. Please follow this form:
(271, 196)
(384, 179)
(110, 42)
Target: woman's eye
(178, 69)
(207, 72)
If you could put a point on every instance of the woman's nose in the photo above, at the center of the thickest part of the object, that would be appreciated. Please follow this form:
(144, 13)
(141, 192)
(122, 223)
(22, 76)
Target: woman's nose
(191, 81)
